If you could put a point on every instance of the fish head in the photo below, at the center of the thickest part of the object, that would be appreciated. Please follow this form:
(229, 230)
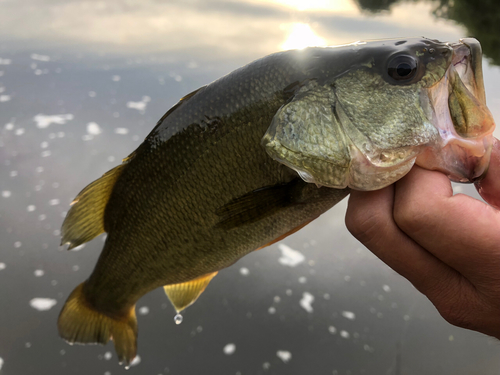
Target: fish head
(385, 106)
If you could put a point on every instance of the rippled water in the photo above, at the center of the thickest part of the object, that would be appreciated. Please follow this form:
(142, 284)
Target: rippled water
(83, 82)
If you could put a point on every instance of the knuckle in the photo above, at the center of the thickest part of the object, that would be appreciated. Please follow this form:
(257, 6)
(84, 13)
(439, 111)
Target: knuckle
(363, 225)
(456, 303)
(457, 315)
(410, 215)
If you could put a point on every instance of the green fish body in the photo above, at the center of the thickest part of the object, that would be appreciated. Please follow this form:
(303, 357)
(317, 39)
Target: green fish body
(228, 169)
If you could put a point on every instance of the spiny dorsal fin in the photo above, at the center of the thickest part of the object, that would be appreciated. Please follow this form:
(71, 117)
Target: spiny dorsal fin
(85, 219)
(185, 294)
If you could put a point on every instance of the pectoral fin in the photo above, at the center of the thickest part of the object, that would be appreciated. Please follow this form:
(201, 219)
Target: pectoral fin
(257, 204)
(185, 294)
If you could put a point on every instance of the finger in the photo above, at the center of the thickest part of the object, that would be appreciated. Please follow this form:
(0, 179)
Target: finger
(370, 219)
(489, 187)
(459, 230)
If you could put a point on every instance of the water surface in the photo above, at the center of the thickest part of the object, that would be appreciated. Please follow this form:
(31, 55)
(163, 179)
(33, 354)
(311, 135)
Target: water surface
(83, 82)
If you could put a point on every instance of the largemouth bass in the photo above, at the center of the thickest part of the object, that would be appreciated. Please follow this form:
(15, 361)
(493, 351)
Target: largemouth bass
(258, 154)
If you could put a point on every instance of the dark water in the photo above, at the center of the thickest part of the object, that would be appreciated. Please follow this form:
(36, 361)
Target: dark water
(83, 82)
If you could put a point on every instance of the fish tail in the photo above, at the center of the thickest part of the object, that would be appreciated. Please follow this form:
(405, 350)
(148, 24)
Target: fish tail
(80, 323)
(85, 218)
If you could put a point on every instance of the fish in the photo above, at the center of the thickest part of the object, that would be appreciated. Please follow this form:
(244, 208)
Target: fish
(256, 155)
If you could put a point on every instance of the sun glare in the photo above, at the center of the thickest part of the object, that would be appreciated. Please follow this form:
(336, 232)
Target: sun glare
(301, 36)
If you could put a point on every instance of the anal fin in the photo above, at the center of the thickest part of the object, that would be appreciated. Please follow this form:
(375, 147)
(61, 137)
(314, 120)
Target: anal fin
(185, 294)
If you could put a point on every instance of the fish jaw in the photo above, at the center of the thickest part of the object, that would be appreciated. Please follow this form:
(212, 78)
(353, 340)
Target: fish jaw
(458, 110)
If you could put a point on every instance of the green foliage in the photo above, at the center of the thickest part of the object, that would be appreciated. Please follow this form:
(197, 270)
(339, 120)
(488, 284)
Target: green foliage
(481, 18)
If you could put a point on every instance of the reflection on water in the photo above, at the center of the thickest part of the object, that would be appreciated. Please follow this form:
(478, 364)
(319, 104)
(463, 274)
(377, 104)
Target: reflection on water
(83, 82)
(481, 19)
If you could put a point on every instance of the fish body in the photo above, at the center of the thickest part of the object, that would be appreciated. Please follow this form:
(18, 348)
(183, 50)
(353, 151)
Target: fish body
(228, 169)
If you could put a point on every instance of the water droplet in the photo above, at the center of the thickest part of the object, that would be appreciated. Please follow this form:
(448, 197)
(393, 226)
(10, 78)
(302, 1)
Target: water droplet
(178, 319)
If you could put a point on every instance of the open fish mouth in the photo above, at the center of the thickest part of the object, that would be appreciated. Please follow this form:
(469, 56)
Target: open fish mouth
(464, 122)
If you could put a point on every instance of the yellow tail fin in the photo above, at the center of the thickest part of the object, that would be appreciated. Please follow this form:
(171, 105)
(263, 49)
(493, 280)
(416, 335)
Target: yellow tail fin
(80, 323)
(85, 218)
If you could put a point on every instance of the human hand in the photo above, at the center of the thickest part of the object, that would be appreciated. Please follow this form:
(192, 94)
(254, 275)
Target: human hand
(447, 246)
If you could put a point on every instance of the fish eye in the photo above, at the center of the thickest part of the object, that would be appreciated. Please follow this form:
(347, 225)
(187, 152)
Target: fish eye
(402, 68)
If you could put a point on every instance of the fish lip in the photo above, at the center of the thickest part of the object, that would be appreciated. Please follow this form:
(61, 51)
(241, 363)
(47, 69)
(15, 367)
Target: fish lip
(462, 153)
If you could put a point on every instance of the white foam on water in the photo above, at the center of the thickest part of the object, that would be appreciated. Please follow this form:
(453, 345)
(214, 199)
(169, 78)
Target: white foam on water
(345, 334)
(135, 361)
(284, 355)
(244, 271)
(39, 273)
(229, 349)
(54, 202)
(44, 121)
(93, 128)
(144, 310)
(121, 131)
(349, 315)
(306, 301)
(38, 57)
(4, 98)
(43, 304)
(140, 105)
(290, 257)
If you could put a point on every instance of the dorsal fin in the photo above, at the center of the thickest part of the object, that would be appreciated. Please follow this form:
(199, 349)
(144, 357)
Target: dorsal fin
(85, 219)
(185, 294)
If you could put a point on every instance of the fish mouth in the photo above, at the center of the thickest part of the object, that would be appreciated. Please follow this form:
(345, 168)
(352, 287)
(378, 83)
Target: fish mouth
(460, 114)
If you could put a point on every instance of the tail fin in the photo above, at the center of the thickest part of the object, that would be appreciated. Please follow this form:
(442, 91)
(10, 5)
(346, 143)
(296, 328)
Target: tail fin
(85, 219)
(80, 323)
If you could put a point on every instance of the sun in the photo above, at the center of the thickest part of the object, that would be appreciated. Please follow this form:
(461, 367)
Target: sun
(300, 36)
